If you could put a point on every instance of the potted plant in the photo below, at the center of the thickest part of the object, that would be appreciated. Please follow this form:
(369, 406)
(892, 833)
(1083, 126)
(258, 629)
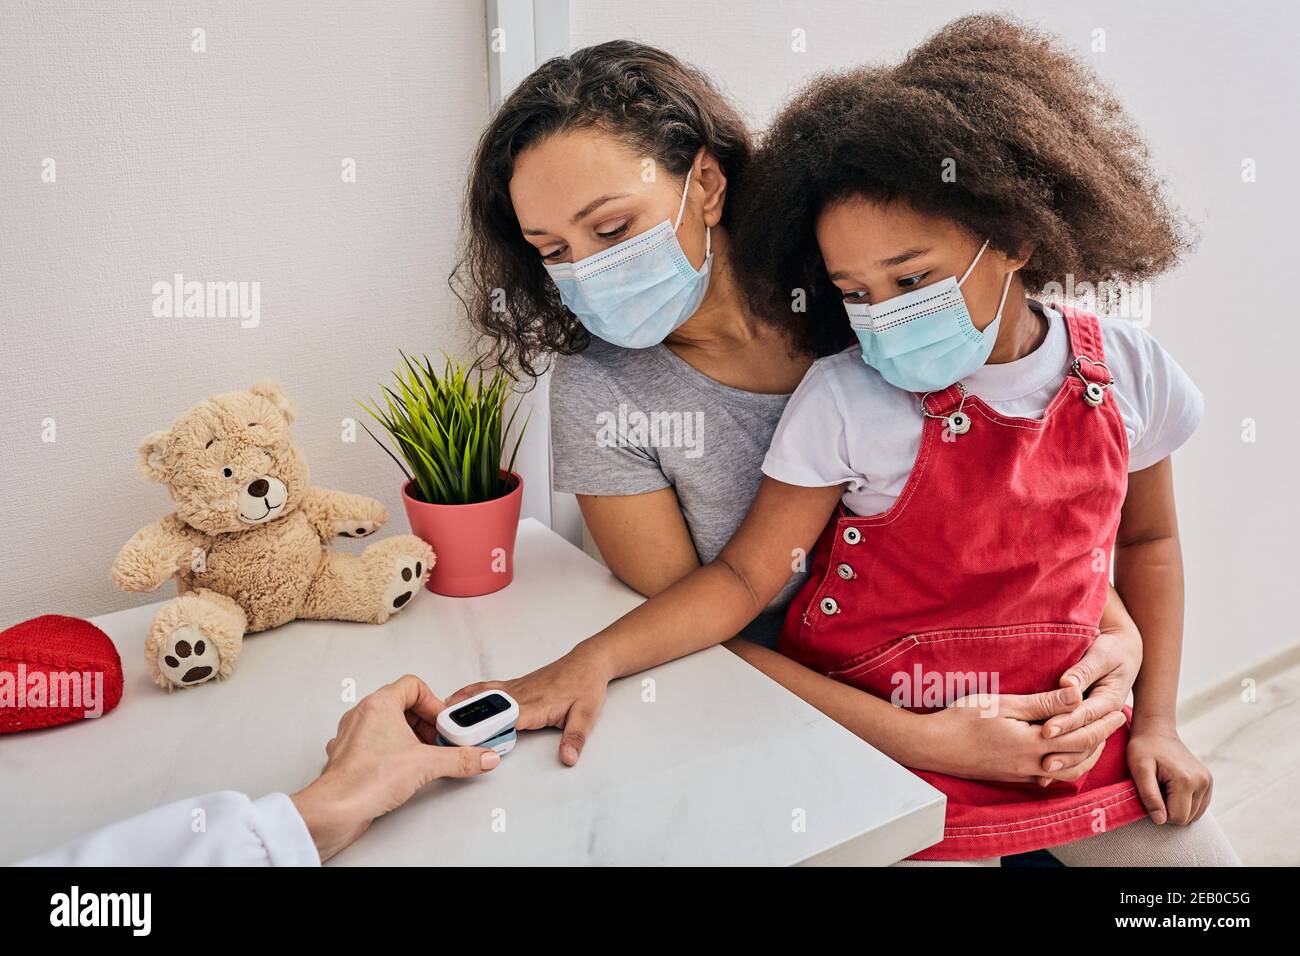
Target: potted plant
(459, 495)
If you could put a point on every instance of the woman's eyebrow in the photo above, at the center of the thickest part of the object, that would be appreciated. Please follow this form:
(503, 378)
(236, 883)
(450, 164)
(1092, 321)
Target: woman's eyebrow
(595, 204)
(582, 213)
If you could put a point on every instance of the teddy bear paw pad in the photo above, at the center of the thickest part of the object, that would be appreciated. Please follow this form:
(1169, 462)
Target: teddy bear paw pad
(408, 575)
(354, 529)
(187, 658)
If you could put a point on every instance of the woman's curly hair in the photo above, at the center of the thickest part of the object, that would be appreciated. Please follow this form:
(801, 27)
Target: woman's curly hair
(1042, 153)
(646, 98)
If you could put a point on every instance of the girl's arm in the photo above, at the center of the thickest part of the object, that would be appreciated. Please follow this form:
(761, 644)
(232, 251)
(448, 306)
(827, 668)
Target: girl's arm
(713, 603)
(1149, 576)
(706, 607)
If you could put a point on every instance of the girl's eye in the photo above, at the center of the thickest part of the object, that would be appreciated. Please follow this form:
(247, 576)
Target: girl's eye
(553, 255)
(856, 297)
(911, 282)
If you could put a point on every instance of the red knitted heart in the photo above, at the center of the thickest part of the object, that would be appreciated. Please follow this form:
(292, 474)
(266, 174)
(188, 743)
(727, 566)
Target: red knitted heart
(55, 670)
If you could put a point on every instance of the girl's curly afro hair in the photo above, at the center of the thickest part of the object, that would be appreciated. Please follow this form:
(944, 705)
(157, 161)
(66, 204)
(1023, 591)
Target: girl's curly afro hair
(1039, 155)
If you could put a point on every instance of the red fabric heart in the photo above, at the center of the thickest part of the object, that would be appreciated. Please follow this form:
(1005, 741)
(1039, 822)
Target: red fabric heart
(48, 668)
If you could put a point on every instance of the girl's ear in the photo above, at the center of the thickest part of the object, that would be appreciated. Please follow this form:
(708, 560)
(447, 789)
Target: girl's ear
(273, 392)
(154, 452)
(1017, 262)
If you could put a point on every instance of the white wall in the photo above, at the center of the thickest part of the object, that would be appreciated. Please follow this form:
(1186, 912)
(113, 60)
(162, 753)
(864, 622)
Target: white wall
(1210, 83)
(224, 165)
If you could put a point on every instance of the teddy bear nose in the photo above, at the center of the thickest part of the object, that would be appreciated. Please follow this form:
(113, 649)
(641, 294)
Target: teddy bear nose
(259, 488)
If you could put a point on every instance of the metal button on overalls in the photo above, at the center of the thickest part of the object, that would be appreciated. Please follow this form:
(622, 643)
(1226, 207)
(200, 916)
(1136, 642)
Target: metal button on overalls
(845, 571)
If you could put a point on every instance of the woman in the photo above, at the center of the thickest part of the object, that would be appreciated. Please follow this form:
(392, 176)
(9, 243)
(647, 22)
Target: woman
(598, 234)
(660, 415)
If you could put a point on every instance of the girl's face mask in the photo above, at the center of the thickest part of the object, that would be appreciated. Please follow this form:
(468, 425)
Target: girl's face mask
(923, 340)
(636, 293)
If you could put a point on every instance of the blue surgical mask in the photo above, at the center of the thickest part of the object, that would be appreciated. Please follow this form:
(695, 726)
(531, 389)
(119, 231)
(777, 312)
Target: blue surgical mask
(636, 293)
(923, 340)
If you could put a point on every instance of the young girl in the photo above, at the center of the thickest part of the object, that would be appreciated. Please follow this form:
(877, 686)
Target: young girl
(981, 457)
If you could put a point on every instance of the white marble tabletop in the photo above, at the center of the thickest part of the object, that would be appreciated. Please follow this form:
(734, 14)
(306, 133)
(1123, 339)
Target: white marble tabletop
(700, 761)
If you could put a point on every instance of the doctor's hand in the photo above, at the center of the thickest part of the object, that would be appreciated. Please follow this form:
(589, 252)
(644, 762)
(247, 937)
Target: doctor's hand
(568, 693)
(382, 754)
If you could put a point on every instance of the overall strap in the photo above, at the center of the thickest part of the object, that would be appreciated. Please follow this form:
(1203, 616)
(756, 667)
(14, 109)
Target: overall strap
(1085, 343)
(943, 401)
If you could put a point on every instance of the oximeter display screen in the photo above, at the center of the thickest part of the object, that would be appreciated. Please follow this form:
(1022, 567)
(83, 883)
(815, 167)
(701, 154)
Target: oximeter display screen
(479, 710)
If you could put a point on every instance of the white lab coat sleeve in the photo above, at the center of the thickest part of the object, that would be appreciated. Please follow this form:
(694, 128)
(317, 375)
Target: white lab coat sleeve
(217, 829)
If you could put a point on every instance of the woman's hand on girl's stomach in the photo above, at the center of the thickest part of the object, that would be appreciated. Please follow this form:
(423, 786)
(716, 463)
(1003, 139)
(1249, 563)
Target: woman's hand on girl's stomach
(998, 737)
(567, 693)
(1105, 676)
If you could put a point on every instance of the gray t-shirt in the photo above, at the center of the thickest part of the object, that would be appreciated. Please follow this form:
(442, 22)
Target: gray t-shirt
(630, 421)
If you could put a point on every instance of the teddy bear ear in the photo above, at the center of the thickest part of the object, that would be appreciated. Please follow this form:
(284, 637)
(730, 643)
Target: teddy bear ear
(153, 456)
(272, 391)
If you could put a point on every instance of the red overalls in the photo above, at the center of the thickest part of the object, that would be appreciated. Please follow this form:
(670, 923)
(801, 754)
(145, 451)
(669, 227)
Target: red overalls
(992, 565)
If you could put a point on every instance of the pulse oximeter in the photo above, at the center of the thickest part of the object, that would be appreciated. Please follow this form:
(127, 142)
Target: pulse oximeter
(485, 720)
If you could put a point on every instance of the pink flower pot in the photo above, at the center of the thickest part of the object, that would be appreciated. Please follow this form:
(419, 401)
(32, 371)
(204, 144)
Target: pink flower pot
(474, 544)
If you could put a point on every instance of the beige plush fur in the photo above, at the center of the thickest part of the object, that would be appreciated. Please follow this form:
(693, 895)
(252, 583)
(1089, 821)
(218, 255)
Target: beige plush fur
(246, 543)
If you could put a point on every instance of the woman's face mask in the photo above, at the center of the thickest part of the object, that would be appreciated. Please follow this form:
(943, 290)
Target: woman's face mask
(636, 293)
(923, 340)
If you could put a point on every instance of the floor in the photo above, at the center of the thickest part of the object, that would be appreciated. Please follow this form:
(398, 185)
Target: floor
(1253, 748)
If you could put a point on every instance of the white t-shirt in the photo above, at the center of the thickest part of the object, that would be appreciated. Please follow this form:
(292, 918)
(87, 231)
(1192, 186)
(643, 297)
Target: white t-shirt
(846, 424)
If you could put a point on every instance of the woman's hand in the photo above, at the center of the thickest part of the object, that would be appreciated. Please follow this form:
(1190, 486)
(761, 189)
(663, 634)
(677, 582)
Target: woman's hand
(1104, 675)
(383, 753)
(1158, 758)
(568, 693)
(997, 737)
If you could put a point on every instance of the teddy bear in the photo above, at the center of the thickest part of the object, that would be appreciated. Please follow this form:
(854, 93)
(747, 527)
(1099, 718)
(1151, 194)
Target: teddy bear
(247, 542)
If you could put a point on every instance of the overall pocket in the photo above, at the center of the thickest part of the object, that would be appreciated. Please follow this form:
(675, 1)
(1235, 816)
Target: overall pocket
(928, 671)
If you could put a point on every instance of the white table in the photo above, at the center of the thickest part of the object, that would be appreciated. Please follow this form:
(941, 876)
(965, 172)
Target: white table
(650, 788)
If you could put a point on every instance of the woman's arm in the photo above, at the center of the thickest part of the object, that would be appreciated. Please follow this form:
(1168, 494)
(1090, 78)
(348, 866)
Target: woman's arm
(643, 539)
(1173, 783)
(989, 737)
(1105, 674)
